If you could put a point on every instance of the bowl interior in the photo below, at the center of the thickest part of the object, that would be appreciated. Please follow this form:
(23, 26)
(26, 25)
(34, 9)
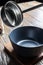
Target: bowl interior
(27, 36)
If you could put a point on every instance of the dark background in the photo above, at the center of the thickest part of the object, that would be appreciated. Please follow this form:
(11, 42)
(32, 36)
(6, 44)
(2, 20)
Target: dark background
(2, 2)
(40, 1)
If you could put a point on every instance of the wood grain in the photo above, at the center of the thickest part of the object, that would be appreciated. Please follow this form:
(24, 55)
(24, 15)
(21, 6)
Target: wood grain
(31, 18)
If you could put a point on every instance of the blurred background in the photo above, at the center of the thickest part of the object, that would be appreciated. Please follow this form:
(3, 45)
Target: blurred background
(2, 2)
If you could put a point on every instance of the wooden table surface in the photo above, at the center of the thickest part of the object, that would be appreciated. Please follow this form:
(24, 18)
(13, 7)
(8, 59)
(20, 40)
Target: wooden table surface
(33, 17)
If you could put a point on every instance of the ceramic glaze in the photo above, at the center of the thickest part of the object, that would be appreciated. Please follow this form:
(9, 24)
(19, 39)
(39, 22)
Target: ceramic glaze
(28, 43)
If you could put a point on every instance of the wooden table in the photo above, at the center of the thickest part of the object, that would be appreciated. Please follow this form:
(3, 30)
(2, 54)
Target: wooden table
(33, 17)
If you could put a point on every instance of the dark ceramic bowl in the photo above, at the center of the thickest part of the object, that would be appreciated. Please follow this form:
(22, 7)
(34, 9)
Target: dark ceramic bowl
(27, 41)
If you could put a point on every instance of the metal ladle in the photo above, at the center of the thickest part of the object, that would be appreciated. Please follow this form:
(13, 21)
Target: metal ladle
(12, 14)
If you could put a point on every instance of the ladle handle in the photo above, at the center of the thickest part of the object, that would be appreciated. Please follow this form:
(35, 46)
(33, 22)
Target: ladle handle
(32, 8)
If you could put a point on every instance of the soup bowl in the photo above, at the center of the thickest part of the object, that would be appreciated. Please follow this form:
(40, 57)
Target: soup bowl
(27, 41)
